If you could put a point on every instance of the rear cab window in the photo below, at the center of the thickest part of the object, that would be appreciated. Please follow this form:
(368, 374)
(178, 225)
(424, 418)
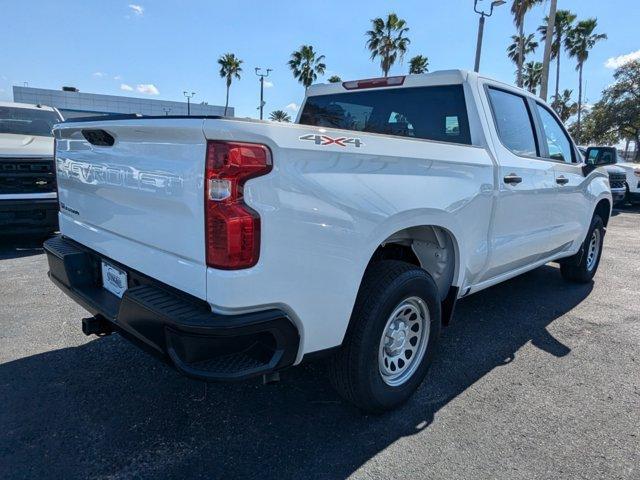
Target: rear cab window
(430, 113)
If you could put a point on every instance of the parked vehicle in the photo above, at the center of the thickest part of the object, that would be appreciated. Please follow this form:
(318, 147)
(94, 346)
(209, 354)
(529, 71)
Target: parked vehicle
(605, 157)
(235, 248)
(28, 198)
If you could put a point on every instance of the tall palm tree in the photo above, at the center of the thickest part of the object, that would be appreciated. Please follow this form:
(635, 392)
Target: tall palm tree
(306, 65)
(386, 40)
(279, 116)
(532, 76)
(519, 9)
(419, 64)
(334, 79)
(564, 105)
(578, 42)
(529, 45)
(564, 22)
(229, 69)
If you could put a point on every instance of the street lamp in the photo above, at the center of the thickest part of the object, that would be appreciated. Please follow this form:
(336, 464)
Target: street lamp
(482, 13)
(189, 97)
(262, 77)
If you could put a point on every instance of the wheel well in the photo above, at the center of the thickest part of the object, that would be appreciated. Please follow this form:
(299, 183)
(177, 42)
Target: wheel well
(603, 209)
(429, 247)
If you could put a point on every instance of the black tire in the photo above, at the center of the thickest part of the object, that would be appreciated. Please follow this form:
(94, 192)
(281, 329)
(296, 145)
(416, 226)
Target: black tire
(354, 371)
(578, 268)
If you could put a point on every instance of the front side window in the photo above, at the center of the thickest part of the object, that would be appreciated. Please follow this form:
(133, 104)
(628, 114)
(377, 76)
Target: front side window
(513, 122)
(27, 121)
(431, 113)
(558, 143)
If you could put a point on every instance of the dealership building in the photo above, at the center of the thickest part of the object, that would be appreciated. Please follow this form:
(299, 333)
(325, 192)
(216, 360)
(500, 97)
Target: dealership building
(73, 103)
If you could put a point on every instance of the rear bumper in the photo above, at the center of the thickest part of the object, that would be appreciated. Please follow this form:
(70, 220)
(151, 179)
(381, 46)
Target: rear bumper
(175, 326)
(28, 216)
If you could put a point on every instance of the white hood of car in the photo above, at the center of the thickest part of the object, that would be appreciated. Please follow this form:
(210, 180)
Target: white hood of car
(12, 145)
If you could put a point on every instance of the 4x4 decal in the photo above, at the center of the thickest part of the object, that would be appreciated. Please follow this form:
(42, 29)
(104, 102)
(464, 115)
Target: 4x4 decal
(326, 140)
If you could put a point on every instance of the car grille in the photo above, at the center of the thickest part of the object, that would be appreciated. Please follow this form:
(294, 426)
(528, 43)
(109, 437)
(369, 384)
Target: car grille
(27, 175)
(617, 180)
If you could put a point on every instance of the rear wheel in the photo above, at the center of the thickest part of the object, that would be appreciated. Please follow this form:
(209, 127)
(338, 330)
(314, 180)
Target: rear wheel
(582, 267)
(392, 337)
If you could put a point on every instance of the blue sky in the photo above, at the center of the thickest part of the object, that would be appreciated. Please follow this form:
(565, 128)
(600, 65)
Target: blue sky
(159, 48)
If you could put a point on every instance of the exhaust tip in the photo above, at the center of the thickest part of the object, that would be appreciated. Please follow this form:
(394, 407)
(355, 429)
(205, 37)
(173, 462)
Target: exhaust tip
(96, 326)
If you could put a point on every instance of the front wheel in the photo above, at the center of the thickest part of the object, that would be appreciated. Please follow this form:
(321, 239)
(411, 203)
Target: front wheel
(392, 337)
(583, 266)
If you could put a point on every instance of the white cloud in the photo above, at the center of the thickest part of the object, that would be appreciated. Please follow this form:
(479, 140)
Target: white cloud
(268, 84)
(617, 62)
(98, 74)
(137, 9)
(118, 77)
(126, 88)
(147, 89)
(293, 106)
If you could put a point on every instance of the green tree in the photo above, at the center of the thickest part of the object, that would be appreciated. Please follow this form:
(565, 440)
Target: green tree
(616, 116)
(564, 105)
(419, 64)
(334, 79)
(532, 76)
(564, 22)
(306, 65)
(229, 69)
(386, 40)
(279, 116)
(579, 42)
(513, 51)
(519, 9)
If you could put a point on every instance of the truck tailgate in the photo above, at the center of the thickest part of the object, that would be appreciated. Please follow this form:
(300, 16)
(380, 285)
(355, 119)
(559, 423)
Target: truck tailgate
(139, 201)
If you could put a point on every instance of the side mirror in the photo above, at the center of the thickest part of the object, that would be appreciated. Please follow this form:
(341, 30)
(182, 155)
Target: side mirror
(598, 156)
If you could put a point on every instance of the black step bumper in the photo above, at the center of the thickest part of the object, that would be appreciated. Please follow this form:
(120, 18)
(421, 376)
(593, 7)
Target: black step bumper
(177, 327)
(29, 216)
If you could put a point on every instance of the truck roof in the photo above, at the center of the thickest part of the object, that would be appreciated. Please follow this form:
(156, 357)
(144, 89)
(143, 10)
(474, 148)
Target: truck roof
(439, 77)
(26, 105)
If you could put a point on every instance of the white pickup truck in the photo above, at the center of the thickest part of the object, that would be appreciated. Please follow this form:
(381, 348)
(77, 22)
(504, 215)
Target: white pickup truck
(233, 248)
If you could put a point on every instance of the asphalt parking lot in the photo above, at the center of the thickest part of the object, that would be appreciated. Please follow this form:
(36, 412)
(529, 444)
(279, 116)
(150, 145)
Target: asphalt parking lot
(536, 378)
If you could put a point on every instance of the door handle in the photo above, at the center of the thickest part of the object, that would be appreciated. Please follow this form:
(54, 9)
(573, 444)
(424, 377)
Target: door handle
(512, 179)
(562, 180)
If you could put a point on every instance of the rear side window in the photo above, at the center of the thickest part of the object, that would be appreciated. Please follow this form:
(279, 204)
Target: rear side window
(431, 113)
(513, 122)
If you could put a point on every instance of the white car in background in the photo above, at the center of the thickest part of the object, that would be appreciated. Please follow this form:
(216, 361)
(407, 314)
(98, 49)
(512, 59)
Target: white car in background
(28, 196)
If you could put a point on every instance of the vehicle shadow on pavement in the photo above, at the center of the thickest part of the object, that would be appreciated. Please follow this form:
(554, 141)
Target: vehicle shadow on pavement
(20, 246)
(105, 409)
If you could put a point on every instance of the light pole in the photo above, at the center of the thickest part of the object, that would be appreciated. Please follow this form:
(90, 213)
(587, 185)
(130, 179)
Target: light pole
(482, 13)
(262, 77)
(189, 97)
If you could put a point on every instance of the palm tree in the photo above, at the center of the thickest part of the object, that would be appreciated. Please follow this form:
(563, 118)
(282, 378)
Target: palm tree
(564, 21)
(532, 76)
(229, 69)
(519, 9)
(306, 66)
(513, 51)
(387, 41)
(419, 64)
(279, 116)
(564, 105)
(578, 42)
(334, 79)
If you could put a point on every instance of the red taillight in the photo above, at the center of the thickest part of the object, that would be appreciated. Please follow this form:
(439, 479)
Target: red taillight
(232, 229)
(374, 83)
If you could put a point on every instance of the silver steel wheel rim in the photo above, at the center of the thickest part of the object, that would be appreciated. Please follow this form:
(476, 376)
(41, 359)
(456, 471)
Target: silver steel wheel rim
(592, 250)
(404, 341)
